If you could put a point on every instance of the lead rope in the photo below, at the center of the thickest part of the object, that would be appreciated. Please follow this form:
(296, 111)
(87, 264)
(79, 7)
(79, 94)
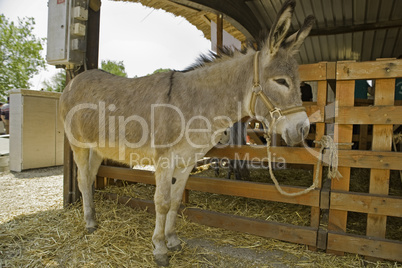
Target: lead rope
(326, 142)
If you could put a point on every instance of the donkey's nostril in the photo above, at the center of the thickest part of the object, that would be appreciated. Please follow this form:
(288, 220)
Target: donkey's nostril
(303, 129)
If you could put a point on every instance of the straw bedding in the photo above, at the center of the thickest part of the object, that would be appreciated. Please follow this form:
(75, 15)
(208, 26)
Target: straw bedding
(35, 231)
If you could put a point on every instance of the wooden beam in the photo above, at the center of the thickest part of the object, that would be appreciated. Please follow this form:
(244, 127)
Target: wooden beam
(313, 72)
(349, 70)
(367, 203)
(384, 115)
(368, 246)
(294, 155)
(263, 191)
(269, 229)
(369, 159)
(356, 28)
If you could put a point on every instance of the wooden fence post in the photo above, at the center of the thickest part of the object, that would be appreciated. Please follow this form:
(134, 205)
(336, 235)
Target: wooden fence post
(319, 132)
(382, 141)
(342, 134)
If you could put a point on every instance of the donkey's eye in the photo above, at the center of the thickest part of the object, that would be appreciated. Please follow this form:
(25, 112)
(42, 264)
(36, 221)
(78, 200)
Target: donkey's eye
(282, 82)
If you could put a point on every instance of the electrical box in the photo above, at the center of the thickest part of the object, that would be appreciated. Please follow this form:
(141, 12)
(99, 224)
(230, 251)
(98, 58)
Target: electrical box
(66, 32)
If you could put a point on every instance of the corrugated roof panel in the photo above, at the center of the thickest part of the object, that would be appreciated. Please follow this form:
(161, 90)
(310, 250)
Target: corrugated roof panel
(324, 51)
(378, 45)
(318, 10)
(396, 10)
(389, 42)
(348, 44)
(268, 17)
(384, 13)
(359, 11)
(328, 14)
(341, 47)
(348, 12)
(398, 45)
(357, 44)
(338, 12)
(368, 40)
(373, 6)
(360, 45)
(332, 47)
(311, 53)
(316, 49)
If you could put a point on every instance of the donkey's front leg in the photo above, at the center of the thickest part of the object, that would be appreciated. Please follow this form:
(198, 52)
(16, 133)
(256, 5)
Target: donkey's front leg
(162, 204)
(179, 180)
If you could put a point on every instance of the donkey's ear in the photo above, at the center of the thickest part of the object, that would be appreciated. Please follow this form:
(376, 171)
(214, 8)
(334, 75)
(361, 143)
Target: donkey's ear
(294, 41)
(280, 27)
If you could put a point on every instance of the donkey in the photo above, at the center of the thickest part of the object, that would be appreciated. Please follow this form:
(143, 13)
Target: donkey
(170, 120)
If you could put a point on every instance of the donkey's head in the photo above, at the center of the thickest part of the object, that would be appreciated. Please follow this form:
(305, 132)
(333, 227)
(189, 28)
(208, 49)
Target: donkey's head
(279, 83)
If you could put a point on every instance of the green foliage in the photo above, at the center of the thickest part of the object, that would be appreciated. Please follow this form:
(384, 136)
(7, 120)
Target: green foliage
(114, 67)
(57, 83)
(20, 57)
(161, 70)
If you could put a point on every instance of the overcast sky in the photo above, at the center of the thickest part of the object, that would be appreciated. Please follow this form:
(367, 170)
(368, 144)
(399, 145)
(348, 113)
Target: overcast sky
(143, 38)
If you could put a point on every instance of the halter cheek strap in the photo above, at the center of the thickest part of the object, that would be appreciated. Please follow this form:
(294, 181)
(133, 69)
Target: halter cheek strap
(274, 111)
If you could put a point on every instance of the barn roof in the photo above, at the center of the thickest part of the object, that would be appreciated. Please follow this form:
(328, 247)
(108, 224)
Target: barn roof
(359, 30)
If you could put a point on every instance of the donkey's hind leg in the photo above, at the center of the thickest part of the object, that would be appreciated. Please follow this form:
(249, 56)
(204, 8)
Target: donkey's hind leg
(88, 162)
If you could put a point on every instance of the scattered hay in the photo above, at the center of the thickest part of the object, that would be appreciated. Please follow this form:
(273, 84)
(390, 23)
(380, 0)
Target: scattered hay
(50, 236)
(57, 238)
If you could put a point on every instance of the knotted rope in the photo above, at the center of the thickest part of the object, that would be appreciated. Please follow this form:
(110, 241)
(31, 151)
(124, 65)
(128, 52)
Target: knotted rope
(325, 142)
(328, 142)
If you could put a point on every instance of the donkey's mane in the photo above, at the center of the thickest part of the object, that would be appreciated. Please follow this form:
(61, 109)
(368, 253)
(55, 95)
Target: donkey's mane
(211, 57)
(227, 53)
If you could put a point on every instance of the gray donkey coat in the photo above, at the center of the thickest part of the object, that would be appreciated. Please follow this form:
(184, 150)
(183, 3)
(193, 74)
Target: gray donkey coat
(170, 120)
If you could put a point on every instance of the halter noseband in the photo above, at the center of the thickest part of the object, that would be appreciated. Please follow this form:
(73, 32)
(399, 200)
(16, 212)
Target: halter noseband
(275, 112)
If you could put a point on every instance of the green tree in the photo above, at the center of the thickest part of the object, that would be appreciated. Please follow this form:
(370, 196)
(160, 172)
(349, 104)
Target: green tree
(161, 70)
(20, 54)
(57, 83)
(114, 67)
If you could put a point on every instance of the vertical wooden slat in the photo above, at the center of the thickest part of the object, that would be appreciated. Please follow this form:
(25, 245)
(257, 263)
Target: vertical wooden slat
(319, 132)
(186, 195)
(342, 134)
(382, 141)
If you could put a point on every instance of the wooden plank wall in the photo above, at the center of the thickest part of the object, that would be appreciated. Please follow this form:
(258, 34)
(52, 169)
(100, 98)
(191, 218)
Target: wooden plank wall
(377, 204)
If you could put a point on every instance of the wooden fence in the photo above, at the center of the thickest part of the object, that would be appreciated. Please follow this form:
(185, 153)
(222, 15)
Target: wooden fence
(338, 200)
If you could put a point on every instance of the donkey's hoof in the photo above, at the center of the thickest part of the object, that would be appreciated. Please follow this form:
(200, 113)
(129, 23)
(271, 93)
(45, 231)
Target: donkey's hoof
(176, 248)
(90, 230)
(161, 260)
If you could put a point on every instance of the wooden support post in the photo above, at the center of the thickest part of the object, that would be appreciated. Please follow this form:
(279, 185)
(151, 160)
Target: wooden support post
(219, 33)
(382, 141)
(342, 134)
(71, 191)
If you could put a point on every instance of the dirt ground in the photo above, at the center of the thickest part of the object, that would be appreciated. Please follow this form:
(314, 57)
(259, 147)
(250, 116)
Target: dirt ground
(36, 231)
